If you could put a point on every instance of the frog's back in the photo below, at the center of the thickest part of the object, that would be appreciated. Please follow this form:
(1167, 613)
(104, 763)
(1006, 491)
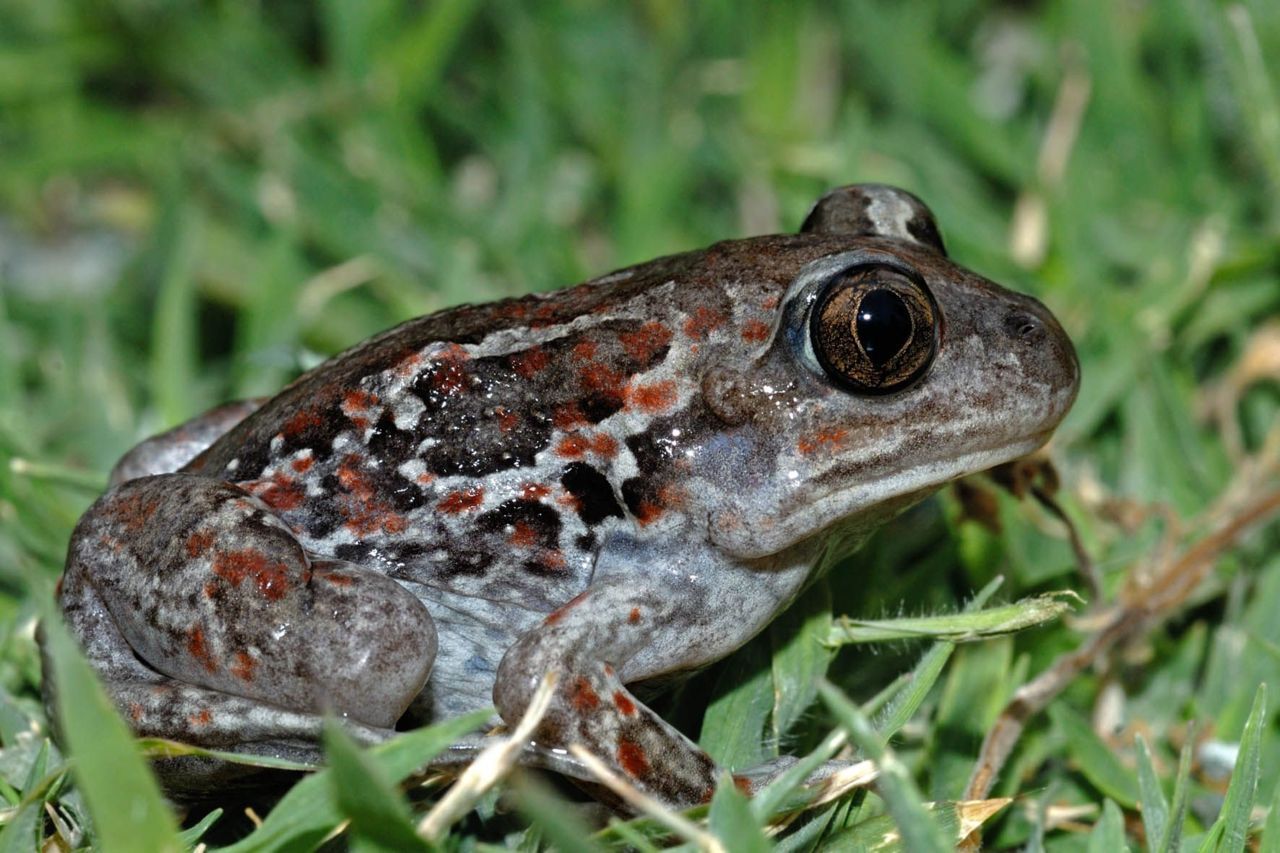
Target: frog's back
(492, 449)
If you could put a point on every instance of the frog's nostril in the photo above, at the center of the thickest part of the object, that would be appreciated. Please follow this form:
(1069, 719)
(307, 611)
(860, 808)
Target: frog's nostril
(1020, 324)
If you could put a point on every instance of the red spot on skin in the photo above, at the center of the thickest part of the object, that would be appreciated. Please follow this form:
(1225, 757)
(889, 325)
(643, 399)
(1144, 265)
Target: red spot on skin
(456, 502)
(235, 566)
(755, 332)
(552, 561)
(632, 758)
(199, 650)
(644, 344)
(648, 512)
(828, 440)
(408, 365)
(601, 379)
(558, 614)
(203, 718)
(303, 464)
(771, 303)
(305, 419)
(279, 492)
(702, 321)
(448, 377)
(507, 420)
(653, 397)
(210, 589)
(530, 363)
(634, 616)
(198, 543)
(605, 445)
(365, 514)
(523, 535)
(584, 350)
(583, 698)
(742, 783)
(534, 491)
(425, 478)
(568, 416)
(624, 703)
(358, 401)
(573, 446)
(243, 666)
(135, 712)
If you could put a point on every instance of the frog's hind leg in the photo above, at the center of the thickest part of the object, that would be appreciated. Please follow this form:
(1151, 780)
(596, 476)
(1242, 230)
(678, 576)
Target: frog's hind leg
(589, 642)
(210, 624)
(173, 449)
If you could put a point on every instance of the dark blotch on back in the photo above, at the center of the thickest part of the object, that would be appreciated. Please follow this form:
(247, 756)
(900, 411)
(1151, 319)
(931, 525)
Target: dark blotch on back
(595, 496)
(543, 520)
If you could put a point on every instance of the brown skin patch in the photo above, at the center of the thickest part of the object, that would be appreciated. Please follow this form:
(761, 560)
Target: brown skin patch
(584, 350)
(243, 666)
(332, 577)
(646, 342)
(507, 419)
(523, 535)
(605, 445)
(634, 616)
(568, 416)
(743, 784)
(648, 512)
(460, 501)
(199, 649)
(281, 493)
(652, 397)
(583, 698)
(632, 758)
(270, 577)
(198, 543)
(135, 712)
(203, 718)
(303, 464)
(134, 512)
(623, 703)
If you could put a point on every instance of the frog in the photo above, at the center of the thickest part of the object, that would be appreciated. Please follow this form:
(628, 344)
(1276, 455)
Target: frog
(619, 483)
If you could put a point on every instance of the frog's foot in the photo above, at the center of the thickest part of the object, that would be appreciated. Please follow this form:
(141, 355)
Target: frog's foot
(210, 624)
(587, 642)
(169, 451)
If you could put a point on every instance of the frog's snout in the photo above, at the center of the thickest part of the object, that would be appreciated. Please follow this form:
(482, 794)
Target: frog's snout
(1045, 351)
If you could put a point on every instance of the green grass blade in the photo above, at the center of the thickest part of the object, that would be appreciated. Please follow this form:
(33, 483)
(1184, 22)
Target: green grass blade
(733, 821)
(1171, 841)
(309, 811)
(1238, 807)
(1108, 832)
(964, 627)
(1097, 761)
(920, 832)
(377, 810)
(123, 798)
(553, 815)
(1270, 840)
(1155, 808)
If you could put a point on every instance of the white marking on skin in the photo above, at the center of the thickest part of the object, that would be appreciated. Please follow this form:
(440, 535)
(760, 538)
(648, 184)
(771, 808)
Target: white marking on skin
(890, 213)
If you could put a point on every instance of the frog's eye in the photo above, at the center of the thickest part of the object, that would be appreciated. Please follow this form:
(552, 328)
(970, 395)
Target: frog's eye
(874, 329)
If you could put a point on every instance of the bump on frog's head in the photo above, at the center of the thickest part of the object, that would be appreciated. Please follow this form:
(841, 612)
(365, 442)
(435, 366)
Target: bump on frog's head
(875, 210)
(892, 371)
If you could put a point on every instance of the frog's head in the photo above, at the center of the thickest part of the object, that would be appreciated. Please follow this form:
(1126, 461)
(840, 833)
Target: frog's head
(891, 371)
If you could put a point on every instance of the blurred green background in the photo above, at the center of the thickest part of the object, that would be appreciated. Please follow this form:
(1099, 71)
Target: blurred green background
(200, 199)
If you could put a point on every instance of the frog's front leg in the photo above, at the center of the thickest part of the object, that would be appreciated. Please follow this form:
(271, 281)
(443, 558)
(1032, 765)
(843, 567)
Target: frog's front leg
(210, 624)
(599, 641)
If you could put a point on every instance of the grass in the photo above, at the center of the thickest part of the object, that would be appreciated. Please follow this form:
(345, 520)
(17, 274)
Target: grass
(199, 199)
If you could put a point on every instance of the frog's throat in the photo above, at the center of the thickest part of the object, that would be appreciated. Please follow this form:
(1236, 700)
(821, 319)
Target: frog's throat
(748, 533)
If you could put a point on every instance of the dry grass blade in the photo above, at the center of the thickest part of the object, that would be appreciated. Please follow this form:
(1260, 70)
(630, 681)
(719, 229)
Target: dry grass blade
(489, 768)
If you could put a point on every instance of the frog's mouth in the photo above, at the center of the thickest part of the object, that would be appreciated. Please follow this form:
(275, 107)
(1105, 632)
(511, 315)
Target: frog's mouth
(753, 534)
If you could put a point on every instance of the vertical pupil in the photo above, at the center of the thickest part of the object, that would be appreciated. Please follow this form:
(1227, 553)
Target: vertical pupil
(883, 326)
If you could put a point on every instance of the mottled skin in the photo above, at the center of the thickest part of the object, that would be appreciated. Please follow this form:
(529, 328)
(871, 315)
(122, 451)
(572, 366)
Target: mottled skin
(618, 481)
